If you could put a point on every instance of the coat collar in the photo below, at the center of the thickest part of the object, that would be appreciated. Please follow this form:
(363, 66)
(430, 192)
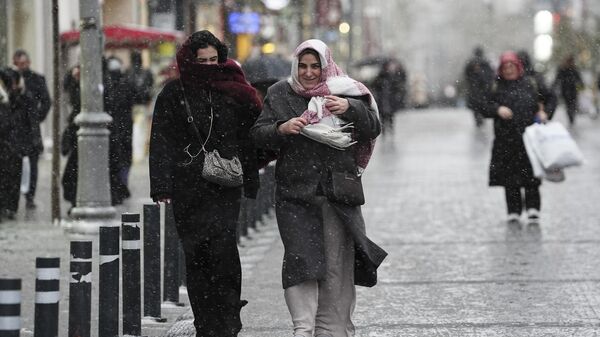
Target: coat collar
(297, 103)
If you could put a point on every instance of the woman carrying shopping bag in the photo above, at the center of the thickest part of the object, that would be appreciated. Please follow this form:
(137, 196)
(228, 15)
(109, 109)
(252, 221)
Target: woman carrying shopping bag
(516, 102)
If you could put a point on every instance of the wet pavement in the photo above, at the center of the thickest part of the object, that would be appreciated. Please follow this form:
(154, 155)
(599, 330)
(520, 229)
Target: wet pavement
(455, 267)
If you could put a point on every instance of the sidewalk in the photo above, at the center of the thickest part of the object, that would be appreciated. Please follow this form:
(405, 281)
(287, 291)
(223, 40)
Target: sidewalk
(455, 268)
(33, 235)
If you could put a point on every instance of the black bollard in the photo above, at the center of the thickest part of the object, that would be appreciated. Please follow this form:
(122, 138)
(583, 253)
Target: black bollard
(108, 292)
(47, 296)
(171, 280)
(80, 289)
(132, 313)
(10, 307)
(152, 262)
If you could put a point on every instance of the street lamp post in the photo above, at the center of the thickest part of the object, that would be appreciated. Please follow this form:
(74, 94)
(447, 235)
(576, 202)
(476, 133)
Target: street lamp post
(93, 205)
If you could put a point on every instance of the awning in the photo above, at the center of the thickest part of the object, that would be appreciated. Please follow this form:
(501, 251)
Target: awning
(135, 37)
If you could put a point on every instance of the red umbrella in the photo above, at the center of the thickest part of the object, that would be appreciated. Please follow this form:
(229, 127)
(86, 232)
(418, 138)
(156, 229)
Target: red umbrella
(134, 37)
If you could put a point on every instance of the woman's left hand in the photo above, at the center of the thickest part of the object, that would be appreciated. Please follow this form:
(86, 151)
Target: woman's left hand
(337, 105)
(542, 116)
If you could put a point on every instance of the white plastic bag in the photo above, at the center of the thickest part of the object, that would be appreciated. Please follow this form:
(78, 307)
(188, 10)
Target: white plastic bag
(25, 175)
(554, 146)
(556, 175)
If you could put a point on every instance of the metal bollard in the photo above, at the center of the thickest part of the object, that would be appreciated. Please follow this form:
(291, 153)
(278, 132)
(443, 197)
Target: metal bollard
(108, 292)
(152, 262)
(171, 279)
(10, 307)
(47, 296)
(80, 289)
(132, 315)
(182, 271)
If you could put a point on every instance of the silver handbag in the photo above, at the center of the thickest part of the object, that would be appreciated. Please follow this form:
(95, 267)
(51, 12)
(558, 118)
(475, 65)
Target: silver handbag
(225, 172)
(216, 169)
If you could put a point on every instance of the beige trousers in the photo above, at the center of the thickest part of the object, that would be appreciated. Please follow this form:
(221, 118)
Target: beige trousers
(324, 307)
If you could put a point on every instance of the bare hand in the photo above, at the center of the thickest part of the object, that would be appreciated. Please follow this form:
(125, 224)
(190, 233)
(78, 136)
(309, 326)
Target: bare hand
(505, 113)
(166, 201)
(75, 72)
(337, 105)
(292, 126)
(542, 116)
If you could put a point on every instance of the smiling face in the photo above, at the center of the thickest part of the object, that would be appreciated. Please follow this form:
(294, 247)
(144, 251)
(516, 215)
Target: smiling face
(510, 71)
(208, 55)
(309, 71)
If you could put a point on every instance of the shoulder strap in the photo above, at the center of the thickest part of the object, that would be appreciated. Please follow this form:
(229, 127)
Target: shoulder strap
(190, 118)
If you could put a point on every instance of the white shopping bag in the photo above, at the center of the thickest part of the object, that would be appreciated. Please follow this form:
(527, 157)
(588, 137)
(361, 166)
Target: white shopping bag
(25, 175)
(556, 175)
(554, 146)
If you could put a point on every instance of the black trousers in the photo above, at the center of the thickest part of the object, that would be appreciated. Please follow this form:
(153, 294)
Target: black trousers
(11, 167)
(514, 198)
(33, 175)
(571, 103)
(207, 230)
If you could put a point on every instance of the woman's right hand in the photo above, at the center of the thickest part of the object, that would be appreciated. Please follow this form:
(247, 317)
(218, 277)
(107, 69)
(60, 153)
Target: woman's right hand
(163, 200)
(505, 113)
(292, 126)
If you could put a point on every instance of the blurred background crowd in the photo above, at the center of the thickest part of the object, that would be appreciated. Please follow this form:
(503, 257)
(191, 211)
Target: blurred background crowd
(412, 54)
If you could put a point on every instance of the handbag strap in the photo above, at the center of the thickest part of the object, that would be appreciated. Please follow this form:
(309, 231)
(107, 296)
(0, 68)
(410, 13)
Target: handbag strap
(190, 118)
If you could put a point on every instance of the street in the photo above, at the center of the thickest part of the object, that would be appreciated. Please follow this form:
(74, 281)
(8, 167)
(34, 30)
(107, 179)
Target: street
(455, 267)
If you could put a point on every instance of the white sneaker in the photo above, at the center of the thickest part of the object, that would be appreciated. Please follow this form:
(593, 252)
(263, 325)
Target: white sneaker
(533, 215)
(513, 217)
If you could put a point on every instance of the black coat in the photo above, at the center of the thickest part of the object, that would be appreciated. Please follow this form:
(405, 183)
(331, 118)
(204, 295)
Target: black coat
(302, 165)
(171, 134)
(510, 165)
(25, 130)
(68, 140)
(35, 84)
(389, 89)
(569, 80)
(479, 77)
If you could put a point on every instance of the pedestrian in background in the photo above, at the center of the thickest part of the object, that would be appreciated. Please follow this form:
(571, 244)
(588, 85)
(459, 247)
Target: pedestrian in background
(479, 77)
(222, 107)
(119, 105)
(568, 79)
(15, 138)
(36, 85)
(546, 96)
(514, 104)
(142, 83)
(389, 88)
(68, 140)
(319, 235)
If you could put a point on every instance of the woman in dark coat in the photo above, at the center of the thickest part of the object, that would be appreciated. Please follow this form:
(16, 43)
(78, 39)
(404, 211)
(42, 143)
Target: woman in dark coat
(319, 236)
(206, 213)
(516, 102)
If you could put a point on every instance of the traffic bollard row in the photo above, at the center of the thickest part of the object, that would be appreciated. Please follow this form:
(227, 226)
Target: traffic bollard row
(47, 296)
(80, 285)
(10, 307)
